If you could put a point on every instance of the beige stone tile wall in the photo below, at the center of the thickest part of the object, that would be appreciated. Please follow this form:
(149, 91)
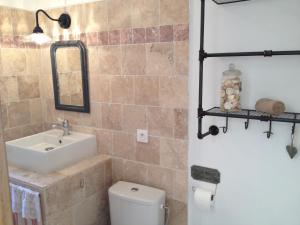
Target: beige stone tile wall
(76, 195)
(5, 207)
(20, 66)
(138, 67)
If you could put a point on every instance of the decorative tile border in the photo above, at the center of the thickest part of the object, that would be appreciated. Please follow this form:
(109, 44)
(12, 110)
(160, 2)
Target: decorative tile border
(10, 41)
(166, 33)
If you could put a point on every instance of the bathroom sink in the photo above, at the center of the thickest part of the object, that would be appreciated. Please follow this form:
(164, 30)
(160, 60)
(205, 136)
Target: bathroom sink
(50, 151)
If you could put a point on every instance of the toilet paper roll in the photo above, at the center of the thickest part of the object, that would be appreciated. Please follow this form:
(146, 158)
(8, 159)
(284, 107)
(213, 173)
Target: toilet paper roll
(203, 199)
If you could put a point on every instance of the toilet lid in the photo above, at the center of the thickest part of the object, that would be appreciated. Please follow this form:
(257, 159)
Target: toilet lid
(137, 193)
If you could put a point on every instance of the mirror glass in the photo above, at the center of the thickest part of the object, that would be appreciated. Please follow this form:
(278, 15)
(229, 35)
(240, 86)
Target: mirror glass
(69, 73)
(69, 76)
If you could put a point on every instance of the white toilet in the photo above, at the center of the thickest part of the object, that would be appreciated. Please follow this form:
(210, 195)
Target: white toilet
(135, 204)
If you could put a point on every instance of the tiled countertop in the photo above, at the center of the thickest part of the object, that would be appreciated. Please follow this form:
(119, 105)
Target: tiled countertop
(41, 181)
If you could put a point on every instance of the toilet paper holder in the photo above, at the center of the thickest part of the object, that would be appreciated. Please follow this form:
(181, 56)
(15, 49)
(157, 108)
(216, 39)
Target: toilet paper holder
(207, 175)
(212, 197)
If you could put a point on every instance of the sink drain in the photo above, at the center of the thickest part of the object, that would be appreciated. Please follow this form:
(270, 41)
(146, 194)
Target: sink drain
(49, 149)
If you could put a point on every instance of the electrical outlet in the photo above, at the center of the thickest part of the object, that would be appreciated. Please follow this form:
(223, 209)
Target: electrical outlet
(142, 136)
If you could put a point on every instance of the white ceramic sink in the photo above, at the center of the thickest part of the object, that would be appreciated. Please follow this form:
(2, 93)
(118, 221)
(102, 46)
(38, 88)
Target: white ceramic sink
(48, 151)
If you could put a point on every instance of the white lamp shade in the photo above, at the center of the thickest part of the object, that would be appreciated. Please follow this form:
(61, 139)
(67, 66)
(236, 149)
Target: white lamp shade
(38, 38)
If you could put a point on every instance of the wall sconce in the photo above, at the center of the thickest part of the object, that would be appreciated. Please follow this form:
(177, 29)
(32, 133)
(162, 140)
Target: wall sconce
(38, 36)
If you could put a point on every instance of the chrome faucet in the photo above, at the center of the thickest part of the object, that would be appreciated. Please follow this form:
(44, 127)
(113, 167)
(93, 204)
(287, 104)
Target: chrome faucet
(63, 125)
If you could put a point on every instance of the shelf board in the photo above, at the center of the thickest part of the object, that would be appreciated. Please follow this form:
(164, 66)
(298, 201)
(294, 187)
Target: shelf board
(223, 2)
(266, 53)
(250, 114)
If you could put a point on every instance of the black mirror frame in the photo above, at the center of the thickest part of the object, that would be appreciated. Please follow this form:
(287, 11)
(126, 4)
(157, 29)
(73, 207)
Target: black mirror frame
(84, 72)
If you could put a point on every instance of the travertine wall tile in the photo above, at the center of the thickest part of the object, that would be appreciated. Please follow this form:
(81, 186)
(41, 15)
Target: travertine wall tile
(144, 13)
(4, 116)
(123, 145)
(174, 11)
(94, 17)
(160, 58)
(178, 213)
(138, 35)
(135, 172)
(88, 211)
(58, 196)
(51, 114)
(134, 59)
(31, 129)
(93, 119)
(166, 33)
(28, 87)
(33, 60)
(13, 61)
(9, 89)
(170, 92)
(94, 180)
(149, 152)
(173, 153)
(111, 116)
(181, 129)
(181, 53)
(12, 133)
(36, 111)
(105, 141)
(108, 175)
(114, 37)
(161, 121)
(161, 178)
(63, 217)
(45, 59)
(72, 117)
(110, 60)
(18, 113)
(181, 32)
(93, 56)
(6, 21)
(147, 90)
(134, 117)
(100, 88)
(122, 90)
(119, 14)
(22, 21)
(126, 36)
(180, 186)
(152, 34)
(117, 169)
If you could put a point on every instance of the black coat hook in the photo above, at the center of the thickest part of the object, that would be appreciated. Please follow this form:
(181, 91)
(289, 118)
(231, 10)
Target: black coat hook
(247, 122)
(225, 129)
(269, 132)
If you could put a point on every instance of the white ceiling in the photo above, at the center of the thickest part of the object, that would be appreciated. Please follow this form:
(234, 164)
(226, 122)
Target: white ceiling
(33, 5)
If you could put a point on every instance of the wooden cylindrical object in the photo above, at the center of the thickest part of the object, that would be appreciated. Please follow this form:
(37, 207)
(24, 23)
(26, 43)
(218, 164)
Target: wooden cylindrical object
(270, 106)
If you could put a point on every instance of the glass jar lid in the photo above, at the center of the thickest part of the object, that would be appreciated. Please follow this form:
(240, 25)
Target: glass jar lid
(232, 71)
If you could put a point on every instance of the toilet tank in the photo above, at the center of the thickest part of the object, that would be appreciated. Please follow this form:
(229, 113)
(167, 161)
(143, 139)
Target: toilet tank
(135, 204)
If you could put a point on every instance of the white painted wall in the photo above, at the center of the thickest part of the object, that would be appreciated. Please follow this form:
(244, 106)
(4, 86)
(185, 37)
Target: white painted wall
(260, 184)
(43, 4)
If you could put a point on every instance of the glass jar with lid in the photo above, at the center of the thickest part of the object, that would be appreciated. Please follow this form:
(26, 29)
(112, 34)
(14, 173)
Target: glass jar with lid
(231, 87)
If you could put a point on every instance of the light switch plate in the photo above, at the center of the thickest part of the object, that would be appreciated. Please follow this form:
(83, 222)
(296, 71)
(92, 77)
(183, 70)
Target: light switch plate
(142, 136)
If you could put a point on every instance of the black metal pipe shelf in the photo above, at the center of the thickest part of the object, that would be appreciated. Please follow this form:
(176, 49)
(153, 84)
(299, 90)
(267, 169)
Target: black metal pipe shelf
(266, 53)
(249, 114)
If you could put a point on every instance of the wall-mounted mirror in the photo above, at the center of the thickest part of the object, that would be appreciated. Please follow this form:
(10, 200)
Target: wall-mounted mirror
(70, 76)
